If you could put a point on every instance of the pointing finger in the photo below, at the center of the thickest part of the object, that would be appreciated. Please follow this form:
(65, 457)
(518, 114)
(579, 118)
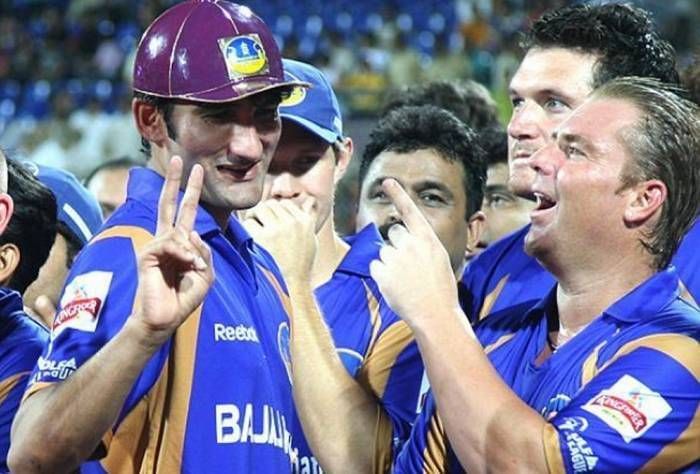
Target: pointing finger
(411, 216)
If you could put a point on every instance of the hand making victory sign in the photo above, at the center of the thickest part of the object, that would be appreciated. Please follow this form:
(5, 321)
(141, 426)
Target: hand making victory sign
(175, 268)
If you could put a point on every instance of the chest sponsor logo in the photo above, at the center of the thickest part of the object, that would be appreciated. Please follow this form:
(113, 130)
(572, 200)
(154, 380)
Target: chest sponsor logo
(629, 407)
(253, 424)
(224, 333)
(581, 454)
(54, 369)
(82, 303)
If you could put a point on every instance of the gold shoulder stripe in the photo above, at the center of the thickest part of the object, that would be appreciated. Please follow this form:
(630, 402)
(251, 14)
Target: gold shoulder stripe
(376, 370)
(680, 453)
(383, 440)
(588, 369)
(552, 450)
(683, 349)
(9, 383)
(491, 298)
(138, 235)
(375, 317)
(685, 294)
(499, 342)
(284, 297)
(435, 452)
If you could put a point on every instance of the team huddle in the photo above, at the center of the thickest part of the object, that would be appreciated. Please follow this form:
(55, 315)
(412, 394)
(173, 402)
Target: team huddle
(217, 322)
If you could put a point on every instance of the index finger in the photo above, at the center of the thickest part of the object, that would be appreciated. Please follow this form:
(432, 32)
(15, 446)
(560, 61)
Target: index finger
(409, 213)
(190, 201)
(167, 203)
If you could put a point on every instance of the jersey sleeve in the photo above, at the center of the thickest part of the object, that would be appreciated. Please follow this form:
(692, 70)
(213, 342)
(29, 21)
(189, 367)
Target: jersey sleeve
(96, 301)
(640, 413)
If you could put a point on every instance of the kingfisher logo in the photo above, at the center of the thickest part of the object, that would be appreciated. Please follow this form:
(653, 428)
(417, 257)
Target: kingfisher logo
(82, 302)
(629, 407)
(244, 56)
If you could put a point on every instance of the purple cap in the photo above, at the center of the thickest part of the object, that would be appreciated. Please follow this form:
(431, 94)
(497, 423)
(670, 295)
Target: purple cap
(208, 51)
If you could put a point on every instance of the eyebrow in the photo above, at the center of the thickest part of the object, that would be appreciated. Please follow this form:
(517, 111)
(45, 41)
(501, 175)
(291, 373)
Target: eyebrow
(496, 188)
(573, 138)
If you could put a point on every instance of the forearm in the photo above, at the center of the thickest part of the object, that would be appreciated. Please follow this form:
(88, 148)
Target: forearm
(81, 409)
(340, 418)
(488, 426)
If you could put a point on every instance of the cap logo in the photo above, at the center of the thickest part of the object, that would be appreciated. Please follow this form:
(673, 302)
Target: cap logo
(296, 97)
(244, 56)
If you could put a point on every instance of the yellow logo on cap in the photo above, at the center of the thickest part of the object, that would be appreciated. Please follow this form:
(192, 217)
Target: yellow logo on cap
(296, 97)
(244, 56)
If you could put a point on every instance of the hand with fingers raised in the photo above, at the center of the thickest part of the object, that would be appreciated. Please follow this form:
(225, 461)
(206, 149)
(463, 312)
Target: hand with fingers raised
(288, 232)
(175, 269)
(413, 270)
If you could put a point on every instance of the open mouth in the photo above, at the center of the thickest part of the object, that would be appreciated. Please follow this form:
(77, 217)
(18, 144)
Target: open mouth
(544, 202)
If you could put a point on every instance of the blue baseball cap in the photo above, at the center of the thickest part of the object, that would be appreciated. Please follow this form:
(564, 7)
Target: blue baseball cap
(77, 208)
(315, 108)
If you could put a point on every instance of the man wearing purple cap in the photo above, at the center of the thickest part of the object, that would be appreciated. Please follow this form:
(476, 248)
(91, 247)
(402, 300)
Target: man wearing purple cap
(129, 380)
(361, 351)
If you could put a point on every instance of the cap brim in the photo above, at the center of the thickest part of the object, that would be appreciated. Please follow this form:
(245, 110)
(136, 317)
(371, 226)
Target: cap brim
(328, 135)
(233, 91)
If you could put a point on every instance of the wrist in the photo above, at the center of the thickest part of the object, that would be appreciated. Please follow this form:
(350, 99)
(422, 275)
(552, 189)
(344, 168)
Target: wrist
(143, 335)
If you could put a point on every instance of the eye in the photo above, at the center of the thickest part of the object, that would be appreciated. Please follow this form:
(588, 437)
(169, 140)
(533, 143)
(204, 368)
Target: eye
(499, 200)
(432, 199)
(556, 105)
(516, 102)
(378, 195)
(572, 151)
(266, 114)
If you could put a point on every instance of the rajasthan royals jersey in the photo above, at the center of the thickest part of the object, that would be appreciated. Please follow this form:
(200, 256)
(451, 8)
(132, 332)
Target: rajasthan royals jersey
(622, 396)
(217, 396)
(687, 263)
(21, 341)
(376, 347)
(503, 276)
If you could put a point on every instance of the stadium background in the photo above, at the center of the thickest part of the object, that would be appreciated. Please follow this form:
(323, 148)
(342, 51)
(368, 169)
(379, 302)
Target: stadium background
(65, 64)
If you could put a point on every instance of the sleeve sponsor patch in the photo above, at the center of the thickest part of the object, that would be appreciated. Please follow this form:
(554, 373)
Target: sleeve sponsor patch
(82, 302)
(629, 407)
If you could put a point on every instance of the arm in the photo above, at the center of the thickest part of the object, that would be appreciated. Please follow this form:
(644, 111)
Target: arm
(341, 419)
(174, 274)
(478, 410)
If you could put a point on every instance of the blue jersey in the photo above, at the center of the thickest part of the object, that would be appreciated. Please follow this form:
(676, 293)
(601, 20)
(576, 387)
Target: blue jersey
(503, 276)
(687, 263)
(621, 396)
(217, 396)
(21, 341)
(375, 345)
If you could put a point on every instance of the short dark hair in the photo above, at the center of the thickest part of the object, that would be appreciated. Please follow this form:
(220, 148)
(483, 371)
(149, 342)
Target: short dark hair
(664, 145)
(165, 107)
(73, 243)
(494, 141)
(124, 162)
(32, 227)
(691, 80)
(622, 36)
(412, 128)
(468, 100)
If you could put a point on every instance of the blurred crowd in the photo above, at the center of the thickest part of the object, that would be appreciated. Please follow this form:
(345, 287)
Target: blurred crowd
(65, 64)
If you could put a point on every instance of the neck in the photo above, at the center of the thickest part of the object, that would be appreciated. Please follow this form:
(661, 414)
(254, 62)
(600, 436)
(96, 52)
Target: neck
(583, 295)
(331, 250)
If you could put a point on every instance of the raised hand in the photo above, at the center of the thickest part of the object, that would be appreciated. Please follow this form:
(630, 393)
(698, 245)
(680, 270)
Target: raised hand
(175, 269)
(413, 271)
(287, 231)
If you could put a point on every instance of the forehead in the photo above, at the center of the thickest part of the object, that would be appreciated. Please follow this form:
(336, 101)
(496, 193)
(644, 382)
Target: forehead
(416, 167)
(585, 121)
(563, 71)
(497, 174)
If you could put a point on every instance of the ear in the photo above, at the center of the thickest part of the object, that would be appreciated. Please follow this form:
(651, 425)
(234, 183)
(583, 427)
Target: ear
(149, 122)
(9, 261)
(7, 206)
(343, 159)
(646, 198)
(476, 226)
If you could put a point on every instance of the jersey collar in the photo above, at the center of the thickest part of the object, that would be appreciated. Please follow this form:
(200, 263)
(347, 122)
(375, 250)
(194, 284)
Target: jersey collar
(364, 247)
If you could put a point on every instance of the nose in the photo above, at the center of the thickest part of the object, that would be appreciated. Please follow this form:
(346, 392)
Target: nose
(245, 142)
(544, 160)
(284, 186)
(525, 122)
